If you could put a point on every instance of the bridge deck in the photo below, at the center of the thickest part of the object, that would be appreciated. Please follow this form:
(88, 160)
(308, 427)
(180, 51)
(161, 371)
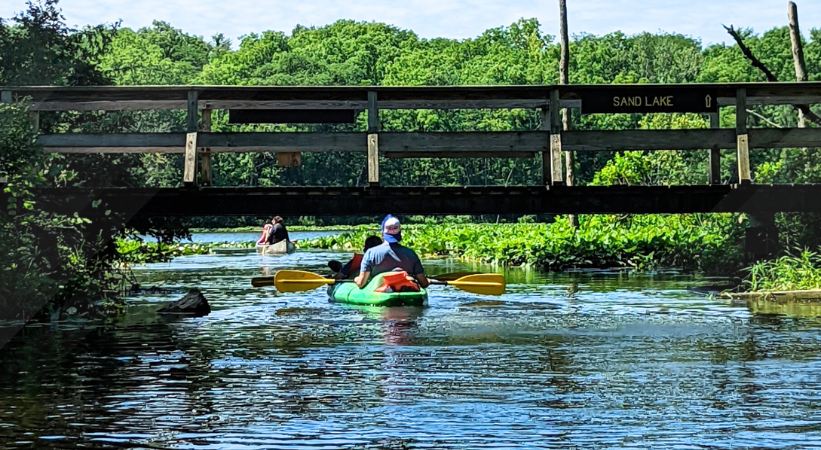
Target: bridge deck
(334, 201)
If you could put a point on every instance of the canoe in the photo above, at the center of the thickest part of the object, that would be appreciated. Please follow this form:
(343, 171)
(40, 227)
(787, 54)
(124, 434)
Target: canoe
(348, 292)
(280, 248)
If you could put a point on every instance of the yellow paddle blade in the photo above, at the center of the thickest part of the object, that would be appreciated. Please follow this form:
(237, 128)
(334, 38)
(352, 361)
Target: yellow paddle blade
(299, 280)
(481, 283)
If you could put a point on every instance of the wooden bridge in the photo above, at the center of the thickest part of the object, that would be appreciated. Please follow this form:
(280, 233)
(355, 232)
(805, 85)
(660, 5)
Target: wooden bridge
(549, 194)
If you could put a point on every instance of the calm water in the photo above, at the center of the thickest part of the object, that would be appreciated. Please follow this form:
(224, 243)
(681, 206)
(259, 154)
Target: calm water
(589, 359)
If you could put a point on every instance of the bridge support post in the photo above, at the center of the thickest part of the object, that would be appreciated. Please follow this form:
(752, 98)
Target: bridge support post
(715, 153)
(760, 237)
(556, 177)
(189, 176)
(373, 139)
(742, 138)
(5, 97)
(547, 171)
(205, 156)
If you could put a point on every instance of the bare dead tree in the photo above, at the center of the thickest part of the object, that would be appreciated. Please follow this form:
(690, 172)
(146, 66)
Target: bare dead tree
(564, 62)
(797, 52)
(804, 109)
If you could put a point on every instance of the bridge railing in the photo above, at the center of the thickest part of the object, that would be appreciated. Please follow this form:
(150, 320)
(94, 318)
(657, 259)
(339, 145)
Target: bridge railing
(342, 104)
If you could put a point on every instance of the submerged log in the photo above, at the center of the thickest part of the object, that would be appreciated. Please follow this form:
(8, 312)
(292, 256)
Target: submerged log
(193, 303)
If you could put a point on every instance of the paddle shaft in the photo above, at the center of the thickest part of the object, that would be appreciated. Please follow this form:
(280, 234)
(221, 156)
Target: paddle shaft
(471, 283)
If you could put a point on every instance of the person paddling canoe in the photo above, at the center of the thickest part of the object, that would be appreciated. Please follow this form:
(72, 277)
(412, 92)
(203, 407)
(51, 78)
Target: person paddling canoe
(278, 232)
(390, 256)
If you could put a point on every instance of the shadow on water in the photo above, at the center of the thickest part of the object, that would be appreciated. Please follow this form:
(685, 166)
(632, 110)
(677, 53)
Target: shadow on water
(585, 359)
(795, 309)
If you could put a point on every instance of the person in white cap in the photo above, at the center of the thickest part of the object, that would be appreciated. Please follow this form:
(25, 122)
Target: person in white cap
(391, 255)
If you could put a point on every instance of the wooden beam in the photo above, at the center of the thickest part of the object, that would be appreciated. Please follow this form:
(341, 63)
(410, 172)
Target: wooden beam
(206, 174)
(117, 150)
(115, 140)
(189, 177)
(556, 178)
(386, 93)
(373, 112)
(500, 142)
(459, 154)
(5, 97)
(148, 105)
(289, 159)
(226, 201)
(373, 139)
(696, 139)
(34, 119)
(192, 123)
(451, 97)
(785, 138)
(373, 159)
(772, 100)
(122, 105)
(742, 138)
(544, 125)
(715, 153)
(287, 115)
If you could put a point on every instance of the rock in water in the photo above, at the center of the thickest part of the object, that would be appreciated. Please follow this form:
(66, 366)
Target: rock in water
(193, 303)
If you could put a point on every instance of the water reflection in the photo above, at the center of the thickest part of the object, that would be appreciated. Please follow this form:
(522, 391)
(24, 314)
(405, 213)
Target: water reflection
(600, 359)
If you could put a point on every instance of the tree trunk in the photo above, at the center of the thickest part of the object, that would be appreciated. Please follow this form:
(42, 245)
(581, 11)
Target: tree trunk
(797, 53)
(564, 62)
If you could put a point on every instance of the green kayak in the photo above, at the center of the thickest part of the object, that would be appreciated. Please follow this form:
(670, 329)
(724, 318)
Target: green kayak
(348, 292)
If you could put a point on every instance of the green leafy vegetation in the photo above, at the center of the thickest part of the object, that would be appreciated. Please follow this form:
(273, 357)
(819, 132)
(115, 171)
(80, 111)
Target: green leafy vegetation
(642, 242)
(787, 273)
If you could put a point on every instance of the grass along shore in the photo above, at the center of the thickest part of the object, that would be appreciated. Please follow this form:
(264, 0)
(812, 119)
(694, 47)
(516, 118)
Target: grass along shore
(800, 271)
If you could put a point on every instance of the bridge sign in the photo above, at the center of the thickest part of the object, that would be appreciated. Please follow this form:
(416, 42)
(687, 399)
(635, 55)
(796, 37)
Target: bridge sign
(649, 100)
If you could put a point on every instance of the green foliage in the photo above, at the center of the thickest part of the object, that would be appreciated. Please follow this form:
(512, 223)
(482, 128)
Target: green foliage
(789, 272)
(133, 251)
(641, 242)
(37, 48)
(46, 260)
(156, 55)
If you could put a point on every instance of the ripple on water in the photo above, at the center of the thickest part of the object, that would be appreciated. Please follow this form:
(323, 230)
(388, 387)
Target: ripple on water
(572, 360)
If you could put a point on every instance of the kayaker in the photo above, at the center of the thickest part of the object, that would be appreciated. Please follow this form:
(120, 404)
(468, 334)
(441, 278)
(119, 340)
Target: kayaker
(391, 255)
(351, 268)
(278, 231)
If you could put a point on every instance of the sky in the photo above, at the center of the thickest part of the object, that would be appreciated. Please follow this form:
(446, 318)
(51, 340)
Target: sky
(456, 19)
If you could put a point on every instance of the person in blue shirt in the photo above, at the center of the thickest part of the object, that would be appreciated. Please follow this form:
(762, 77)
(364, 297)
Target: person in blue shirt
(390, 256)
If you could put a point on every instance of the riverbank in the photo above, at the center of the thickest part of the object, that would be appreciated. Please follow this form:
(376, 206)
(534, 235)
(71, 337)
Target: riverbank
(788, 279)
